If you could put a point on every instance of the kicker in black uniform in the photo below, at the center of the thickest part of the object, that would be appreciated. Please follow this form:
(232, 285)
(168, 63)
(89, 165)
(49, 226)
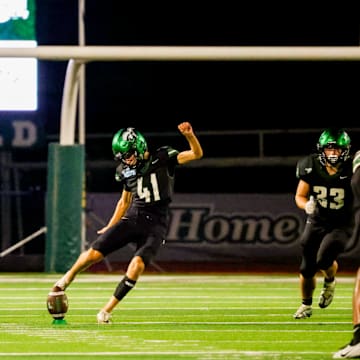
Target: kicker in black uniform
(141, 215)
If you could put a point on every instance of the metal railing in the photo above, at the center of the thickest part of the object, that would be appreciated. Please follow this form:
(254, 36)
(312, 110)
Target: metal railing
(222, 148)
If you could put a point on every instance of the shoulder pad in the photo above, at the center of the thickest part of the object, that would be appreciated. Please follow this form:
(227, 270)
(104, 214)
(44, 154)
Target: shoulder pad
(305, 166)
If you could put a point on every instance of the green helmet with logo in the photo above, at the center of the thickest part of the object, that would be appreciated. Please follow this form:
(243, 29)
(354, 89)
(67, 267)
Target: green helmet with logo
(334, 139)
(128, 141)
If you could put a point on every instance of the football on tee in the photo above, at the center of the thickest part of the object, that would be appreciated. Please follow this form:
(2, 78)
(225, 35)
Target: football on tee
(57, 303)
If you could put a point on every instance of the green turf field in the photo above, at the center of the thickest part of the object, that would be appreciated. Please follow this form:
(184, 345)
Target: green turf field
(200, 317)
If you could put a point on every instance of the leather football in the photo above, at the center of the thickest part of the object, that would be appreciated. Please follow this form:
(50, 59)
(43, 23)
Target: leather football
(57, 303)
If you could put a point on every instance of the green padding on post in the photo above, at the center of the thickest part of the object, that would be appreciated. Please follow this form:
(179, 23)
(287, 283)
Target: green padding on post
(63, 206)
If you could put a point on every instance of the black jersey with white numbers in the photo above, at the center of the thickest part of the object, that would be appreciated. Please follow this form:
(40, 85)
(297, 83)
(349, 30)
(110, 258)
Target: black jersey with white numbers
(332, 192)
(152, 183)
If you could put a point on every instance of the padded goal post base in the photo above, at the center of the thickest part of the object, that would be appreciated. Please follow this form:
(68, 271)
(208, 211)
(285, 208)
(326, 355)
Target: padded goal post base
(65, 185)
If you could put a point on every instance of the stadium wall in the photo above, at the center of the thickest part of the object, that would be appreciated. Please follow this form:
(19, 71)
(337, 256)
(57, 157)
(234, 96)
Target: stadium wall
(208, 233)
(221, 232)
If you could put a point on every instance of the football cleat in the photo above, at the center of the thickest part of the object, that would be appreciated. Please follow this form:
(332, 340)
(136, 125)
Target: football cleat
(348, 352)
(327, 294)
(303, 312)
(103, 317)
(61, 284)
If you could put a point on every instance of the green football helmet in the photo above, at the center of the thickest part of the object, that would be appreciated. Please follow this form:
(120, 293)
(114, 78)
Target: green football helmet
(334, 139)
(128, 141)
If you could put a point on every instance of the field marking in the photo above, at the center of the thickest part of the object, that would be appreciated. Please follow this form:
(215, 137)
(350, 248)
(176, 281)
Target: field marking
(114, 325)
(190, 278)
(118, 353)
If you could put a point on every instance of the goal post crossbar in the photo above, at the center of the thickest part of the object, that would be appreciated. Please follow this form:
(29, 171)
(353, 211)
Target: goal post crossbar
(187, 53)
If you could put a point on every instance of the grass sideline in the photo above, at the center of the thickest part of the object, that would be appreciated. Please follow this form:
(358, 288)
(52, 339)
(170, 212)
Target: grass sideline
(198, 317)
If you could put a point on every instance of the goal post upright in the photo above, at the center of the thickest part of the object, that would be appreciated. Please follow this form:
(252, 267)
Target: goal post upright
(64, 196)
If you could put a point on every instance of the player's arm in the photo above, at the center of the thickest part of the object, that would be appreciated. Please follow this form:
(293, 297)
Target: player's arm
(303, 199)
(120, 210)
(195, 152)
(302, 194)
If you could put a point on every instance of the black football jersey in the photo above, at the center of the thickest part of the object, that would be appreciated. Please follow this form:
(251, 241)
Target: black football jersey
(333, 193)
(153, 182)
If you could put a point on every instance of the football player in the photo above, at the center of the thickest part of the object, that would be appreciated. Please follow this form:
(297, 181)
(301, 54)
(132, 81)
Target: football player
(324, 193)
(352, 350)
(141, 215)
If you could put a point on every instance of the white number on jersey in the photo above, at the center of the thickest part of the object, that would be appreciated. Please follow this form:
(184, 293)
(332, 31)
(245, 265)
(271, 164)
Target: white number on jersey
(337, 195)
(145, 193)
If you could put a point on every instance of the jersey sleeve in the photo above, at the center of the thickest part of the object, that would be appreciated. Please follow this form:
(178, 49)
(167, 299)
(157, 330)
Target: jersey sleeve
(304, 168)
(168, 154)
(122, 173)
(356, 161)
(118, 176)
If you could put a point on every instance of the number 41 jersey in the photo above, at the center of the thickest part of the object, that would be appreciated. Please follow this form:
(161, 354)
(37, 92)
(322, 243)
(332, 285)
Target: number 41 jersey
(152, 184)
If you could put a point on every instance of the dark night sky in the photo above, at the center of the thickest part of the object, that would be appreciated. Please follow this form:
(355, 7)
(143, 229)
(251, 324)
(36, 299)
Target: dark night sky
(155, 96)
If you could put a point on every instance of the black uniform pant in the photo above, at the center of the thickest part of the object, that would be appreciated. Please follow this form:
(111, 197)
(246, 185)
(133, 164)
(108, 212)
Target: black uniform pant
(321, 245)
(144, 229)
